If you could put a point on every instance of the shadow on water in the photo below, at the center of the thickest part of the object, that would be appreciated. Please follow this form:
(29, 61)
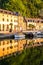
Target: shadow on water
(41, 62)
(4, 62)
(29, 36)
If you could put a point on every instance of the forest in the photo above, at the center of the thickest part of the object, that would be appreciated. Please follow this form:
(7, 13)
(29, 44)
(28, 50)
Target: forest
(27, 8)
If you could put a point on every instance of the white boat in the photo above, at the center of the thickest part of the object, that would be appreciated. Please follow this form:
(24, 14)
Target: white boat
(40, 34)
(19, 36)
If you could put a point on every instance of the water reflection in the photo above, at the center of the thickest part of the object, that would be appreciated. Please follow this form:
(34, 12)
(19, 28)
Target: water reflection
(12, 46)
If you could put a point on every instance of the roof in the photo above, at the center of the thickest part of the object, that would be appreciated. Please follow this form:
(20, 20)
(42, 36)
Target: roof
(33, 19)
(9, 12)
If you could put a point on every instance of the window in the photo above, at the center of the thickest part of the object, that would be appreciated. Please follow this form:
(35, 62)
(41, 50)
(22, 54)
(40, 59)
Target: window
(33, 21)
(7, 42)
(7, 19)
(11, 47)
(6, 12)
(10, 30)
(10, 41)
(0, 27)
(3, 27)
(3, 49)
(11, 20)
(0, 43)
(7, 27)
(29, 20)
(1, 11)
(41, 21)
(7, 48)
(38, 21)
(3, 19)
(20, 46)
(37, 42)
(3, 43)
(9, 12)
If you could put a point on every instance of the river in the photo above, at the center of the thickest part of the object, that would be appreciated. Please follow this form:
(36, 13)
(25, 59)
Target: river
(11, 46)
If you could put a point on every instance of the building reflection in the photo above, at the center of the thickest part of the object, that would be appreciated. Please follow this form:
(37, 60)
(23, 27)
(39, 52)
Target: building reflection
(8, 47)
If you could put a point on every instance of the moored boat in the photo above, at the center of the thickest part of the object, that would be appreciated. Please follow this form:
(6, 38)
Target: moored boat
(19, 36)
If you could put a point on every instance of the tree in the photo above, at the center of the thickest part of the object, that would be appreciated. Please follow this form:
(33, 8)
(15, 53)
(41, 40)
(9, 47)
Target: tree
(41, 13)
(31, 26)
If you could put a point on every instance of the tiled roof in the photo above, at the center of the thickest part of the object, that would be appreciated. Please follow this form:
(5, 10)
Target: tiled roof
(33, 19)
(9, 12)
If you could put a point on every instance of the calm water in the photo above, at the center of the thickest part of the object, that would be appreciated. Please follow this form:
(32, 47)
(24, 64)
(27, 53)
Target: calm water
(9, 46)
(20, 42)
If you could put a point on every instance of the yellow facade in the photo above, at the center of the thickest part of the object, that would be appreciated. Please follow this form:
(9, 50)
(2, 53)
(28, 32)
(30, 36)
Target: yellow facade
(11, 46)
(8, 47)
(10, 22)
(36, 24)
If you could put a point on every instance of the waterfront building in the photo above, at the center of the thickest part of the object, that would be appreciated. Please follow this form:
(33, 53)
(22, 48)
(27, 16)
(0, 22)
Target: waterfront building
(11, 21)
(34, 23)
(14, 22)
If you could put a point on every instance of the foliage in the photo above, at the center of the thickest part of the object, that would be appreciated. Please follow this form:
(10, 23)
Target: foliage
(28, 8)
(31, 26)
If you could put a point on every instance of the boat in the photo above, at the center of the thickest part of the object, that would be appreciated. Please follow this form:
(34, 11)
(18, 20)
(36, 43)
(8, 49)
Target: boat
(39, 34)
(19, 36)
(12, 36)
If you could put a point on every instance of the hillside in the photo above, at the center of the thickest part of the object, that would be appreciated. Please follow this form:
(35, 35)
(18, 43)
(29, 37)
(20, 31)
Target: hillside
(28, 8)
